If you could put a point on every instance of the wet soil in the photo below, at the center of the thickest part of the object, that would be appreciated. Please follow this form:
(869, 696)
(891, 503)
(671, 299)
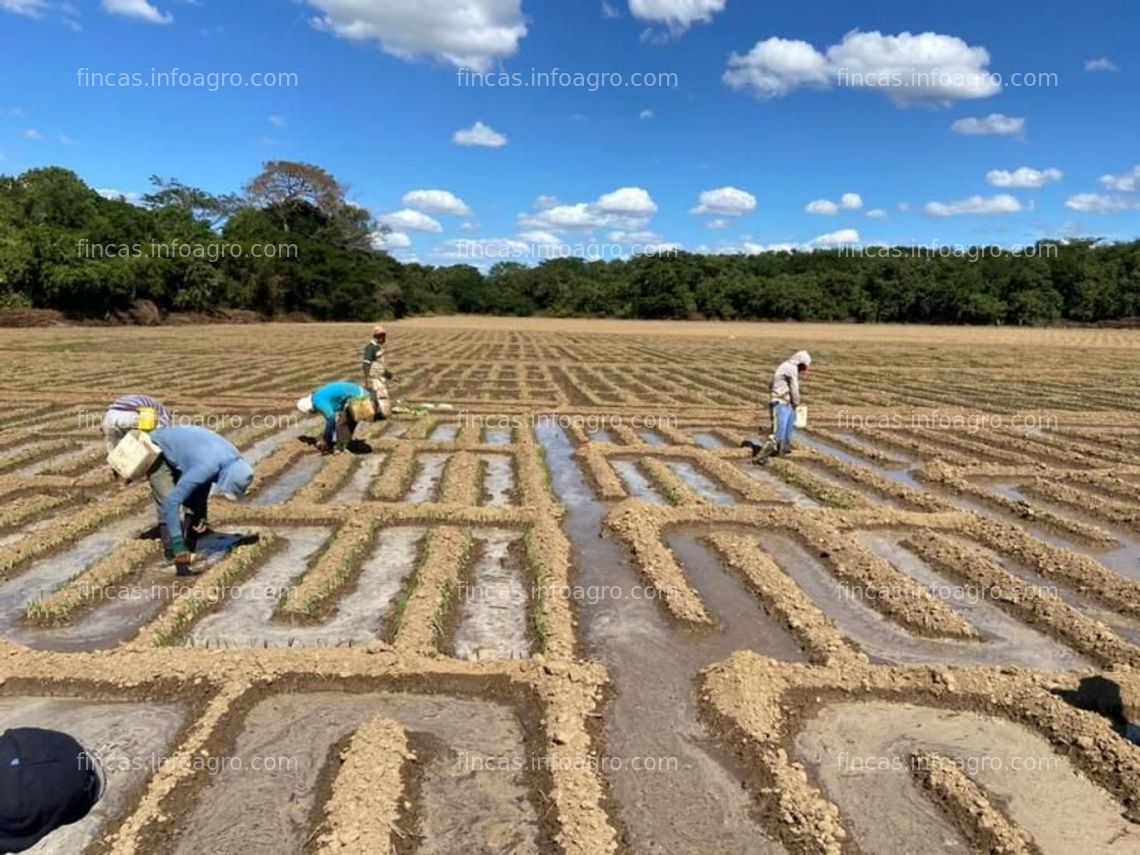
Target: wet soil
(861, 754)
(474, 794)
(700, 806)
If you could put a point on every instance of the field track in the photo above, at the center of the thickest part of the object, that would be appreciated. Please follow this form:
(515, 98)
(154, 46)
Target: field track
(567, 615)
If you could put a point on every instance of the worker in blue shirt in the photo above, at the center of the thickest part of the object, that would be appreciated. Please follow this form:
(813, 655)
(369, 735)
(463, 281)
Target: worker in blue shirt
(343, 405)
(194, 460)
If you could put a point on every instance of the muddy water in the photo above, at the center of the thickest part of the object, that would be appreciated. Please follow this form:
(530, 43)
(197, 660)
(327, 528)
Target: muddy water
(650, 437)
(493, 603)
(46, 575)
(1124, 560)
(446, 432)
(18, 449)
(1123, 625)
(395, 430)
(38, 524)
(864, 492)
(1016, 642)
(700, 483)
(729, 600)
(497, 436)
(885, 641)
(903, 457)
(636, 484)
(472, 796)
(860, 753)
(244, 617)
(120, 611)
(778, 486)
(359, 483)
(58, 460)
(901, 474)
(498, 480)
(361, 613)
(706, 440)
(263, 448)
(129, 741)
(429, 472)
(700, 807)
(289, 482)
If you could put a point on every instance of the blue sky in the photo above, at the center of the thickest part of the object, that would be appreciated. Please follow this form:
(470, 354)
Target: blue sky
(801, 124)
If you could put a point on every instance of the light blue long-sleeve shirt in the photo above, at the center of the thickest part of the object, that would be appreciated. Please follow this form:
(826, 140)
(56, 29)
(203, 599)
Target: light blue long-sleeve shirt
(201, 457)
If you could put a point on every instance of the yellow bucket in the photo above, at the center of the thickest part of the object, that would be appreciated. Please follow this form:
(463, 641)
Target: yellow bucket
(148, 418)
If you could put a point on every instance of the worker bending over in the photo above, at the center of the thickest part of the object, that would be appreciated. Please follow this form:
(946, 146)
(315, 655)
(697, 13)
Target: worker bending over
(343, 405)
(783, 398)
(376, 373)
(194, 459)
(134, 412)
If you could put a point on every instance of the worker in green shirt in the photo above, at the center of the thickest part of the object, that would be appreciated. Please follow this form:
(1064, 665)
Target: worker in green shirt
(376, 373)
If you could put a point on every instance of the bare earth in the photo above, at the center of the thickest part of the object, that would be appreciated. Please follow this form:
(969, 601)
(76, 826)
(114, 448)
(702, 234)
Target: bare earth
(564, 613)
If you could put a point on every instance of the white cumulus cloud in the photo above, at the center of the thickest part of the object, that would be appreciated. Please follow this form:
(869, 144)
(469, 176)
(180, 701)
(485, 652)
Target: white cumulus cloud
(726, 202)
(390, 240)
(909, 68)
(777, 66)
(824, 207)
(479, 134)
(624, 209)
(678, 15)
(140, 10)
(877, 214)
(995, 124)
(436, 202)
(1099, 203)
(467, 33)
(1003, 203)
(1129, 182)
(628, 200)
(409, 220)
(1024, 178)
(843, 237)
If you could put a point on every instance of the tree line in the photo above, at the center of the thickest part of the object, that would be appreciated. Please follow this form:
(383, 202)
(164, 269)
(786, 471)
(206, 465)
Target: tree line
(290, 243)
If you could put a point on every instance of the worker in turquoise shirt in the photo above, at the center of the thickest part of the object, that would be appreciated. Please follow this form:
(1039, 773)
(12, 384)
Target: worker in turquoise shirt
(332, 401)
(194, 459)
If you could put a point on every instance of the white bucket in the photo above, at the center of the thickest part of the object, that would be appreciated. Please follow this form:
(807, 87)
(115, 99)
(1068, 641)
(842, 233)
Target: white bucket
(134, 455)
(801, 416)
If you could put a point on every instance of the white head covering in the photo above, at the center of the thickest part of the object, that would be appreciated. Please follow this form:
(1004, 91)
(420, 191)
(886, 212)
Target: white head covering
(305, 404)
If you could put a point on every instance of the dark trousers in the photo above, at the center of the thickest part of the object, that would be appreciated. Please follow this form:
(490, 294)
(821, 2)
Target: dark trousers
(163, 478)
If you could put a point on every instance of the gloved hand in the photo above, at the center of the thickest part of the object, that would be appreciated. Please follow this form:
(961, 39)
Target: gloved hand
(388, 375)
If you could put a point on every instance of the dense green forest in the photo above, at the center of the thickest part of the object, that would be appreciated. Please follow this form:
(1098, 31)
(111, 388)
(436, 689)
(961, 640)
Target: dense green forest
(64, 246)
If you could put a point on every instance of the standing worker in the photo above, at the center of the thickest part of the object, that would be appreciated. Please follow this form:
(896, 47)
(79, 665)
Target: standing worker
(193, 460)
(783, 398)
(343, 405)
(376, 373)
(134, 412)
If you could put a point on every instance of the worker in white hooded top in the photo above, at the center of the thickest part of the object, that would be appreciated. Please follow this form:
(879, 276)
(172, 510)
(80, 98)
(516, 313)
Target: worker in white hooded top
(783, 398)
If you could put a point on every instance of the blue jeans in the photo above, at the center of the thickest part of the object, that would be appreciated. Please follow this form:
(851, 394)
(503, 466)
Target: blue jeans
(783, 425)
